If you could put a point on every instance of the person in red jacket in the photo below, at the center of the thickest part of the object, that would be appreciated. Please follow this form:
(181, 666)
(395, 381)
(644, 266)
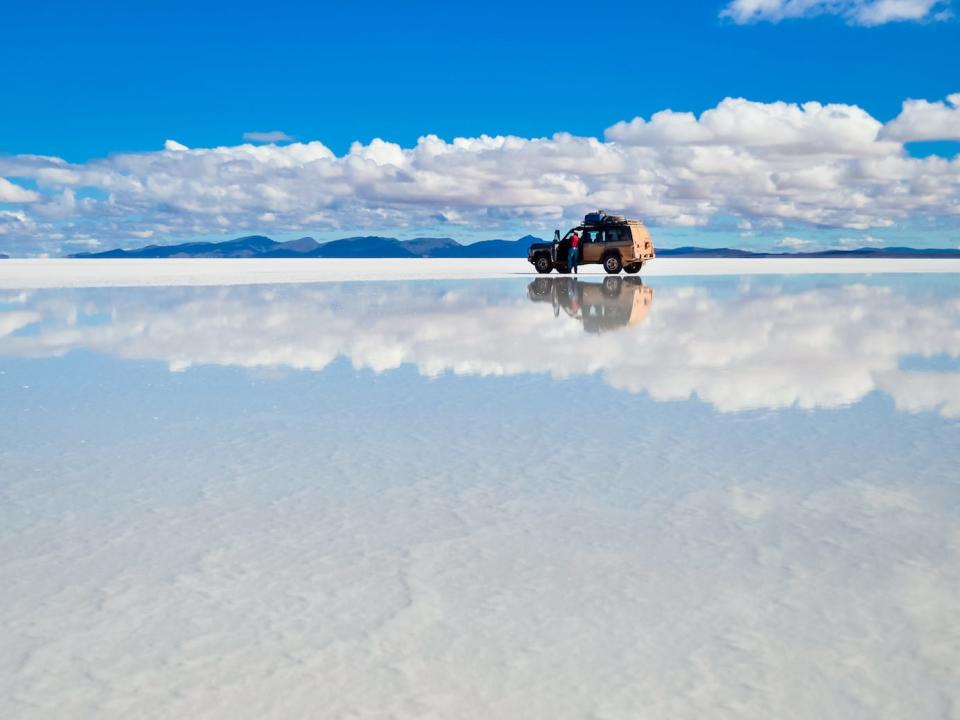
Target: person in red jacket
(573, 257)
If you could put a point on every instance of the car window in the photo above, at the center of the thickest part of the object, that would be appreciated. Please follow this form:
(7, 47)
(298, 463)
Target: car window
(613, 234)
(592, 236)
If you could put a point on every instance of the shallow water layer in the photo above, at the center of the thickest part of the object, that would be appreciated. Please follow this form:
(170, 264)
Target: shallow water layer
(548, 498)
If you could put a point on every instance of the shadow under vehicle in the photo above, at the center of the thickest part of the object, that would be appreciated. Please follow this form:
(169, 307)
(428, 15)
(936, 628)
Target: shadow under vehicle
(609, 240)
(600, 306)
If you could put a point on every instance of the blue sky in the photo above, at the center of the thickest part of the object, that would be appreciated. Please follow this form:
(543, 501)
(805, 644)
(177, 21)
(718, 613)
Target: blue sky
(91, 81)
(126, 76)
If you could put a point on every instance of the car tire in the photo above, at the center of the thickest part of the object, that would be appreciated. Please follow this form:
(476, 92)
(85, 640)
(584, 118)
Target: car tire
(633, 269)
(612, 287)
(542, 264)
(612, 264)
(541, 287)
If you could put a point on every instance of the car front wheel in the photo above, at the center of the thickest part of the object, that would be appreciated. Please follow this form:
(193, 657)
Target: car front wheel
(543, 264)
(633, 269)
(612, 264)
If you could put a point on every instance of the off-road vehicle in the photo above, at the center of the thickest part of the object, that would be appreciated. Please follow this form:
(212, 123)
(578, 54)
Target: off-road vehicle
(601, 307)
(610, 240)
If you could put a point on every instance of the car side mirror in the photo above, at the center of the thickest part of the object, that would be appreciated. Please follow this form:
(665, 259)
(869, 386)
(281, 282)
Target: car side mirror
(556, 236)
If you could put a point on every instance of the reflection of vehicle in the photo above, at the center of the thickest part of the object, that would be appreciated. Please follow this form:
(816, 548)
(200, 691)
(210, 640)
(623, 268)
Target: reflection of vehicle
(610, 240)
(612, 304)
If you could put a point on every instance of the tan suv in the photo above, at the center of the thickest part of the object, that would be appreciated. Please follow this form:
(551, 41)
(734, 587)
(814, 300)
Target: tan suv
(613, 304)
(609, 240)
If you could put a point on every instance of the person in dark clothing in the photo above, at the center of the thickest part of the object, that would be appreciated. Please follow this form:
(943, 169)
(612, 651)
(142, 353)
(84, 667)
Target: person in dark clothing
(573, 257)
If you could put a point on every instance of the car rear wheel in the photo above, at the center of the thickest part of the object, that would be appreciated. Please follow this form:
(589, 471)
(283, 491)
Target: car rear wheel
(543, 264)
(633, 269)
(612, 264)
(612, 286)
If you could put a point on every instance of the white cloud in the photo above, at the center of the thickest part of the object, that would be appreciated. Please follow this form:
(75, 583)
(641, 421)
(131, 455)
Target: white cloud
(13, 193)
(759, 347)
(776, 127)
(88, 243)
(858, 242)
(12, 321)
(855, 12)
(795, 243)
(273, 136)
(14, 222)
(923, 120)
(766, 164)
(884, 11)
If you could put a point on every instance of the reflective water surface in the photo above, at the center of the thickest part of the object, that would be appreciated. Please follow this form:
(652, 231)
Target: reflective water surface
(737, 345)
(556, 498)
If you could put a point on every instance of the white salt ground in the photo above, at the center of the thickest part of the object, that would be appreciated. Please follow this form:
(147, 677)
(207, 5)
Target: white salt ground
(49, 273)
(393, 537)
(256, 570)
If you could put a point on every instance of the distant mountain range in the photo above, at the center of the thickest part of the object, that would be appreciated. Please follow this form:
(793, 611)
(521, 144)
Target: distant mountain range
(375, 246)
(367, 246)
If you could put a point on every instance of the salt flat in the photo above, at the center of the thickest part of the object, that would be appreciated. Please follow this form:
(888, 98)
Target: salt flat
(50, 273)
(538, 498)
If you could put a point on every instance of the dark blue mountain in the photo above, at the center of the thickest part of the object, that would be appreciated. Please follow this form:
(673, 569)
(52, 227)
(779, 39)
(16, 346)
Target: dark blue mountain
(490, 249)
(301, 247)
(431, 247)
(367, 246)
(375, 246)
(487, 249)
(371, 246)
(250, 246)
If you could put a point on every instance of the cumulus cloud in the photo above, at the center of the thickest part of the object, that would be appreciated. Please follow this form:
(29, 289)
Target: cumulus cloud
(923, 120)
(766, 164)
(858, 242)
(855, 12)
(787, 128)
(12, 193)
(273, 136)
(795, 243)
(14, 222)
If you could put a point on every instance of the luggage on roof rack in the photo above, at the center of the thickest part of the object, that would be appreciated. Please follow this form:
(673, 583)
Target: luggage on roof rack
(599, 217)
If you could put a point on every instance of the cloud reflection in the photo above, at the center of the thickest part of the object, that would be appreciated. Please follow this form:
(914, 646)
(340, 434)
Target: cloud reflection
(735, 345)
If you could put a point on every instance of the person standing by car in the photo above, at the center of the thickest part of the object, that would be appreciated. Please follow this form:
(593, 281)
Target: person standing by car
(573, 257)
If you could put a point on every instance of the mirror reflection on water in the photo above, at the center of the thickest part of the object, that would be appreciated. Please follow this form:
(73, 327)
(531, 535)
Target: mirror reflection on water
(735, 344)
(556, 498)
